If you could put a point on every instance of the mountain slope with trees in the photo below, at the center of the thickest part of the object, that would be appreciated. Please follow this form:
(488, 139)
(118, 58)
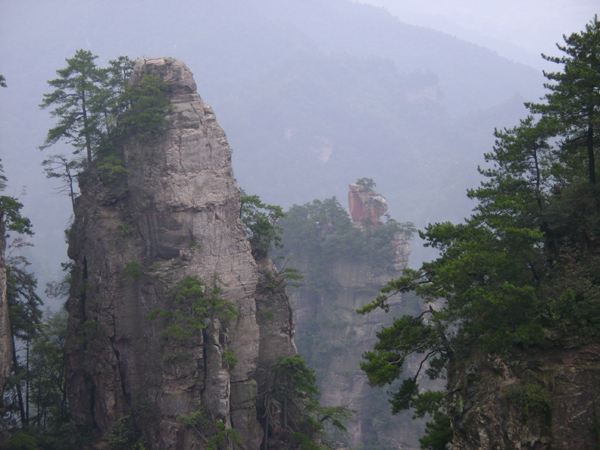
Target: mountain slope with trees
(517, 336)
(293, 83)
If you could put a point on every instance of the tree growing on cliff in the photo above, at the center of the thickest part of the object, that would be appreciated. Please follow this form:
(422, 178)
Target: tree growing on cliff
(524, 266)
(195, 305)
(75, 91)
(96, 108)
(572, 103)
(291, 389)
(10, 210)
(366, 182)
(144, 107)
(261, 222)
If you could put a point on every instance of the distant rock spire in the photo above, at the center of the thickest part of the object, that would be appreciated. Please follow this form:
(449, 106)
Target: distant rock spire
(365, 204)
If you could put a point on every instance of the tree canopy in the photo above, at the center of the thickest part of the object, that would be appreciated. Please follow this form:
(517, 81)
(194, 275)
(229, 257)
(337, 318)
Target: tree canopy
(10, 210)
(96, 108)
(522, 269)
(321, 232)
(261, 223)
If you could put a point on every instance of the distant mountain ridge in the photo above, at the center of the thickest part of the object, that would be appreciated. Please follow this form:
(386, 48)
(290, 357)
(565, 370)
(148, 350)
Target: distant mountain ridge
(314, 95)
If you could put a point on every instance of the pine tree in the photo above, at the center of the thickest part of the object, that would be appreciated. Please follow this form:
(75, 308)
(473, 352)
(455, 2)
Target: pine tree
(75, 92)
(573, 103)
(525, 264)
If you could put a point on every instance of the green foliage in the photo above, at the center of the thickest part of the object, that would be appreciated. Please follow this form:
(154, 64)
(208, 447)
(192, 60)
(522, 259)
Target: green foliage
(65, 170)
(438, 433)
(291, 273)
(96, 109)
(37, 383)
(74, 93)
(20, 441)
(229, 358)
(532, 400)
(321, 233)
(109, 102)
(366, 182)
(10, 211)
(11, 217)
(305, 442)
(571, 105)
(261, 223)
(524, 266)
(24, 304)
(120, 435)
(148, 104)
(291, 384)
(48, 374)
(110, 167)
(200, 420)
(126, 230)
(133, 270)
(295, 379)
(213, 433)
(194, 305)
(225, 439)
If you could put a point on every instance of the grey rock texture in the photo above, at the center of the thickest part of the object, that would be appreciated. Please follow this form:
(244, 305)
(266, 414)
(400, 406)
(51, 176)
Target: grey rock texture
(173, 214)
(542, 398)
(333, 337)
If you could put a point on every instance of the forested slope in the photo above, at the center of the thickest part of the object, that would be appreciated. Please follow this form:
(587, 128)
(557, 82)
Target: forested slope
(517, 336)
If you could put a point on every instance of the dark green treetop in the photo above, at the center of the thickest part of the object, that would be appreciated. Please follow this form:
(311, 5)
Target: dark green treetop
(261, 222)
(75, 91)
(144, 106)
(366, 182)
(96, 109)
(10, 210)
(573, 101)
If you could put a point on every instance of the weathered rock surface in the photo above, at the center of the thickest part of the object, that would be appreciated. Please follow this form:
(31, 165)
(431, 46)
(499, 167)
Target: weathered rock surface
(333, 337)
(539, 399)
(365, 204)
(174, 214)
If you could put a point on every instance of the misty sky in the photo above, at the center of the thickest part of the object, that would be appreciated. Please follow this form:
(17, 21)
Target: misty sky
(36, 37)
(520, 29)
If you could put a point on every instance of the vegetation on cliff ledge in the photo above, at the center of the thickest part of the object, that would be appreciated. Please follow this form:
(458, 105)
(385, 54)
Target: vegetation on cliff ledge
(96, 108)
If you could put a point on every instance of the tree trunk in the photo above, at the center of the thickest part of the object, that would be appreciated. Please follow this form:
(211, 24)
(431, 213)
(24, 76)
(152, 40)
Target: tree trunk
(590, 151)
(24, 418)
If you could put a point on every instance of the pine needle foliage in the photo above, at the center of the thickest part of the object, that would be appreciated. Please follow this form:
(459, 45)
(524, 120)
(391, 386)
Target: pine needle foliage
(522, 271)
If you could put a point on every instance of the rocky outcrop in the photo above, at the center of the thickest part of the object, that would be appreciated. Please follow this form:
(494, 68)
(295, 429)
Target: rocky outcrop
(146, 351)
(332, 336)
(365, 204)
(538, 399)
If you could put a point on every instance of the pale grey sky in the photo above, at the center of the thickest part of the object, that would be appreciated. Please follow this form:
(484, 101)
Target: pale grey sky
(519, 29)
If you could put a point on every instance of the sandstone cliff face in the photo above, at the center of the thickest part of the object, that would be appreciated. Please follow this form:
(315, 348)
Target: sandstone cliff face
(539, 399)
(175, 214)
(332, 336)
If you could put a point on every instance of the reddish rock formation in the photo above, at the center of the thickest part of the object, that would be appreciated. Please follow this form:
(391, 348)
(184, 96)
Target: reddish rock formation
(365, 204)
